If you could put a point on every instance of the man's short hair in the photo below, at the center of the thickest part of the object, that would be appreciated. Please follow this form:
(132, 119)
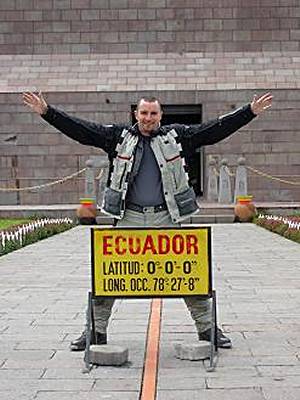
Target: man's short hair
(149, 99)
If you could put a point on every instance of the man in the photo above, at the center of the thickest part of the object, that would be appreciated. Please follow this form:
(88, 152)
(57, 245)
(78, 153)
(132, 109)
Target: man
(148, 182)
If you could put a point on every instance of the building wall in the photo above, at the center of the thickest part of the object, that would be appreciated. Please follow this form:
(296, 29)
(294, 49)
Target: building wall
(94, 58)
(143, 26)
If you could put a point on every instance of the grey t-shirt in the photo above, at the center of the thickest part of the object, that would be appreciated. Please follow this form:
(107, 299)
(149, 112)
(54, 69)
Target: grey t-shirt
(146, 188)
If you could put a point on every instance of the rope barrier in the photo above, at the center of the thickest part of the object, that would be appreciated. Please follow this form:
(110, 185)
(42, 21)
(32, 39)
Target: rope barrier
(66, 178)
(99, 176)
(229, 172)
(36, 187)
(274, 178)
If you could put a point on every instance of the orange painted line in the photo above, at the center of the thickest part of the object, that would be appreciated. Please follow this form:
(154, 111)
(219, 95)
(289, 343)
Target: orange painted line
(148, 391)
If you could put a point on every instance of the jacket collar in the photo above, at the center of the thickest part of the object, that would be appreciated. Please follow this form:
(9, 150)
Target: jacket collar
(134, 129)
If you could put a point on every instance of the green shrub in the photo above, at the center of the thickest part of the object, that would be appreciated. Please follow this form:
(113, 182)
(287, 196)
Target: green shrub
(292, 234)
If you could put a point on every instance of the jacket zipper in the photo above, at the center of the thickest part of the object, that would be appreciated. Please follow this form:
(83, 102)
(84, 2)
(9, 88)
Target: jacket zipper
(122, 177)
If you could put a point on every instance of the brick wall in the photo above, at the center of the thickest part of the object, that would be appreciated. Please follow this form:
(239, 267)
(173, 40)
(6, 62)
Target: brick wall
(142, 26)
(270, 143)
(94, 58)
(151, 71)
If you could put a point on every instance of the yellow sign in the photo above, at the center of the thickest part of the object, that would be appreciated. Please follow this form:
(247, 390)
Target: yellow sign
(128, 262)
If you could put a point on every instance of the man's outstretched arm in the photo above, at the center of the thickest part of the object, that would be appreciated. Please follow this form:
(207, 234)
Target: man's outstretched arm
(83, 131)
(36, 102)
(260, 104)
(216, 130)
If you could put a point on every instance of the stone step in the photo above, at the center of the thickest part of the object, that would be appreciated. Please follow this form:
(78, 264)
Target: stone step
(196, 219)
(212, 219)
(209, 209)
(215, 209)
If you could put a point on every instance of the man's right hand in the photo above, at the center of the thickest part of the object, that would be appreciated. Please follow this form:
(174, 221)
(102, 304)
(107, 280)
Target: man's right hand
(36, 102)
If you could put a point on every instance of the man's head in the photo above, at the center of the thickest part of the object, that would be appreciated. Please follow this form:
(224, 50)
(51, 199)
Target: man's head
(148, 115)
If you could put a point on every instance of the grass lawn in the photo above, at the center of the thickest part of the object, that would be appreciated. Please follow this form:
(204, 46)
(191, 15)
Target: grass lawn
(9, 222)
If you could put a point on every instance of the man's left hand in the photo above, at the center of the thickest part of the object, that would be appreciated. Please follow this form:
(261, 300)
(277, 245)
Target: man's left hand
(261, 103)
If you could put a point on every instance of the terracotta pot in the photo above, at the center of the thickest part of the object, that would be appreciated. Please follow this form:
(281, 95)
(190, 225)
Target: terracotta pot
(244, 209)
(87, 212)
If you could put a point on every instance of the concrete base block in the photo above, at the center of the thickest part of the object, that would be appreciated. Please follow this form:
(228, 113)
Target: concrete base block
(199, 350)
(104, 220)
(108, 355)
(224, 219)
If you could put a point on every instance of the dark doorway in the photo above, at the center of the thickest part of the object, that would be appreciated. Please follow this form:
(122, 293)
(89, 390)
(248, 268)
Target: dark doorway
(188, 115)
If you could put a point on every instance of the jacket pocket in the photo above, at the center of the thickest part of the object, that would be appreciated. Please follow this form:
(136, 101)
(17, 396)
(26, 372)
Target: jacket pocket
(186, 201)
(112, 201)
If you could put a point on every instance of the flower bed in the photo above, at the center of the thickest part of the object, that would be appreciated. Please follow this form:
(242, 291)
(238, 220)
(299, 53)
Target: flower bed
(289, 226)
(21, 235)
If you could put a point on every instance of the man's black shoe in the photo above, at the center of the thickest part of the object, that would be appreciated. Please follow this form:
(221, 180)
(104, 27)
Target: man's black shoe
(223, 341)
(80, 343)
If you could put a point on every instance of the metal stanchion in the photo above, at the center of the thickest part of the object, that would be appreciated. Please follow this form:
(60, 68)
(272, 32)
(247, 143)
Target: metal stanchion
(213, 357)
(87, 359)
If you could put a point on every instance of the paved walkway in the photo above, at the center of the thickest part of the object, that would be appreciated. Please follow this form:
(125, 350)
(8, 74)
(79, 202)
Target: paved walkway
(43, 291)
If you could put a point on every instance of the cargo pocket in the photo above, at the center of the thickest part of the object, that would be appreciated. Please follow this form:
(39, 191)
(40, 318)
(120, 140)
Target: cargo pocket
(186, 202)
(112, 201)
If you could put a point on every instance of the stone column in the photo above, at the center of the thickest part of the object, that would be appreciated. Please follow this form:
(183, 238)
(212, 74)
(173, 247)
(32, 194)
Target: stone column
(102, 179)
(212, 186)
(241, 179)
(225, 194)
(100, 168)
(90, 191)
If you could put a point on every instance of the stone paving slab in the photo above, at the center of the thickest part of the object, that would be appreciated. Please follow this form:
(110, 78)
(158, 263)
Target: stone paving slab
(274, 360)
(251, 382)
(61, 395)
(112, 385)
(48, 384)
(43, 295)
(235, 394)
(20, 394)
(281, 393)
(17, 374)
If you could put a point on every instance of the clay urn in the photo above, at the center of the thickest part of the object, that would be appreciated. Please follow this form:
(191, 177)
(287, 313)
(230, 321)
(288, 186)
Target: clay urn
(244, 209)
(87, 211)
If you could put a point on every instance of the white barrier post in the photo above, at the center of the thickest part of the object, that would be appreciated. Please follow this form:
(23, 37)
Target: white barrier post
(225, 194)
(241, 188)
(90, 191)
(212, 191)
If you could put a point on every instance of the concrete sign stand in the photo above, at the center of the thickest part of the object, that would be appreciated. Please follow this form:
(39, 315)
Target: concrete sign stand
(213, 356)
(164, 262)
(202, 350)
(117, 355)
(89, 318)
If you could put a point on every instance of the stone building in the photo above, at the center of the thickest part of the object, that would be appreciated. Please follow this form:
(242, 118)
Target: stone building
(95, 58)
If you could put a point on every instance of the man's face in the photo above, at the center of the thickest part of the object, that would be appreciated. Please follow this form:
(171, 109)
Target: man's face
(148, 116)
